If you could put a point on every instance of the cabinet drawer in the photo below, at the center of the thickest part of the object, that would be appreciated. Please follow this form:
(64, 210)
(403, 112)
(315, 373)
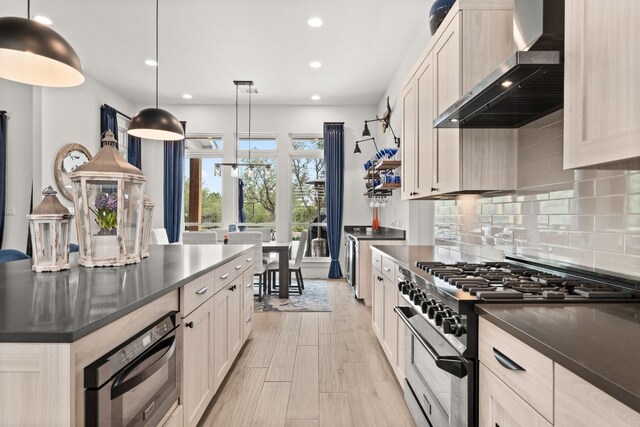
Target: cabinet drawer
(376, 260)
(247, 283)
(247, 319)
(500, 406)
(197, 292)
(389, 269)
(227, 273)
(526, 371)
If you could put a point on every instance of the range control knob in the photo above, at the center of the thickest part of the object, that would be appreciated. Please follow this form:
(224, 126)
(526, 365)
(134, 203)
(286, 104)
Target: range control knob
(413, 293)
(418, 297)
(401, 285)
(431, 312)
(453, 326)
(439, 317)
(448, 312)
(406, 288)
(424, 306)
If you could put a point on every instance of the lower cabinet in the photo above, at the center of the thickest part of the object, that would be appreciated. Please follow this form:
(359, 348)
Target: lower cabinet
(213, 336)
(198, 385)
(386, 325)
(175, 419)
(500, 406)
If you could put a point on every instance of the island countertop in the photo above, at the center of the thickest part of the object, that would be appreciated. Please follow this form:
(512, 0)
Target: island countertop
(65, 306)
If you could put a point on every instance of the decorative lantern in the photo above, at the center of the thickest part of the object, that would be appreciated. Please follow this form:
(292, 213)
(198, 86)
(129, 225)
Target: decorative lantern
(108, 198)
(146, 225)
(50, 222)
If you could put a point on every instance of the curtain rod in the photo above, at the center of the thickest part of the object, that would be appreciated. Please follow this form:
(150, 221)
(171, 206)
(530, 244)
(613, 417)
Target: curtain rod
(3, 112)
(117, 111)
(333, 123)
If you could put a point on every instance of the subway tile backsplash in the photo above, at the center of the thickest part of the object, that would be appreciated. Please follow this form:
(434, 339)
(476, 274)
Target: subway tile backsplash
(585, 217)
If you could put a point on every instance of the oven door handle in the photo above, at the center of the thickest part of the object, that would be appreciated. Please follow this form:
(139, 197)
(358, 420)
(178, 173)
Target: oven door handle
(122, 384)
(451, 364)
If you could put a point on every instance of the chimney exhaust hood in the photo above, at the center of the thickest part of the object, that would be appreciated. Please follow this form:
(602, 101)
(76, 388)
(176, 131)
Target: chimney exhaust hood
(528, 85)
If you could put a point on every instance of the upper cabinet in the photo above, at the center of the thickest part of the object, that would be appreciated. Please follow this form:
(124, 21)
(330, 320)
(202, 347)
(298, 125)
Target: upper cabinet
(601, 85)
(474, 38)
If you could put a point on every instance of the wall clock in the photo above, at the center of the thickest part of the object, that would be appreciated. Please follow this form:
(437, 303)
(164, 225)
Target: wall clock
(68, 159)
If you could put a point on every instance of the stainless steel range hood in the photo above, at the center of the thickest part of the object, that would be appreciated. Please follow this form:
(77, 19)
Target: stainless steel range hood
(528, 85)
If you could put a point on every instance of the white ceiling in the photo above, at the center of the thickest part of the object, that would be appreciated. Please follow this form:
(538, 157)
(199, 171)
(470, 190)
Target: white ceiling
(206, 44)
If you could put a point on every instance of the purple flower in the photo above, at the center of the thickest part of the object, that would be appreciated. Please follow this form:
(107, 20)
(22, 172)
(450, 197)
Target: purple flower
(107, 202)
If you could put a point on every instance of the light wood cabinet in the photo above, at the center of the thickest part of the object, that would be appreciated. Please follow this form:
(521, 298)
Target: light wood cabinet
(377, 311)
(247, 305)
(198, 385)
(390, 322)
(578, 403)
(364, 261)
(221, 353)
(175, 419)
(500, 406)
(236, 321)
(472, 40)
(601, 85)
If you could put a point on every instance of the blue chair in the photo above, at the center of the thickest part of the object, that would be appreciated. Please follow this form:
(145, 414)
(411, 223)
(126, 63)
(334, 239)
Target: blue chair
(8, 255)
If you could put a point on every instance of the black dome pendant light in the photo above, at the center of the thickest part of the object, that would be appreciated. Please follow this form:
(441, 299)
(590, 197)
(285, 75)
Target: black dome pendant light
(156, 123)
(34, 54)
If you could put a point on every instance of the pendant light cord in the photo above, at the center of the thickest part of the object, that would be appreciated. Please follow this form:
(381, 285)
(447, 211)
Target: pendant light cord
(250, 90)
(236, 156)
(28, 9)
(157, 63)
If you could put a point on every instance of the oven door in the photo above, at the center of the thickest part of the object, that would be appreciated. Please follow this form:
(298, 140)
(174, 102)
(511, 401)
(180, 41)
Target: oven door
(141, 393)
(439, 385)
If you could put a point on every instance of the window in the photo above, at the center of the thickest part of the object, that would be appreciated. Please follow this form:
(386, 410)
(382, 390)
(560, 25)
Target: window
(259, 191)
(123, 136)
(257, 144)
(202, 189)
(308, 201)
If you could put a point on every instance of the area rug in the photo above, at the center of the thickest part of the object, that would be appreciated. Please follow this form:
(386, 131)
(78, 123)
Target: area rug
(315, 297)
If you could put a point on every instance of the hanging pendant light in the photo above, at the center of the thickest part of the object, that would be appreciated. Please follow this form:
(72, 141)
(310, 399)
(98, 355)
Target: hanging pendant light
(34, 54)
(156, 123)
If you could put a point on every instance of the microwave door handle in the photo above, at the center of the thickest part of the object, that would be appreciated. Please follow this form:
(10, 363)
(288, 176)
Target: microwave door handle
(451, 364)
(122, 384)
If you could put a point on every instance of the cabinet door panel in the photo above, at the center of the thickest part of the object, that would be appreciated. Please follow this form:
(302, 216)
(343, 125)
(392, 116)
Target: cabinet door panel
(378, 304)
(602, 89)
(198, 385)
(426, 115)
(221, 336)
(235, 320)
(409, 140)
(390, 322)
(448, 64)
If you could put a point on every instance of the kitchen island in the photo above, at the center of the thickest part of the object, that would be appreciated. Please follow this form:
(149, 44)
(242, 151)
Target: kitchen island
(53, 325)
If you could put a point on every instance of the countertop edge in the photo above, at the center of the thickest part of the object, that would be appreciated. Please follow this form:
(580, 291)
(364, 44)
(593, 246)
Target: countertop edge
(606, 385)
(70, 337)
(374, 237)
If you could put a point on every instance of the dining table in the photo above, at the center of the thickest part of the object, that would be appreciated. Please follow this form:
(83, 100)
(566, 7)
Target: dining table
(283, 249)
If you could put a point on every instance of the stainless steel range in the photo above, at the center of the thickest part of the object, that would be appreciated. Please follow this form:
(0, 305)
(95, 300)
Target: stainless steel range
(441, 333)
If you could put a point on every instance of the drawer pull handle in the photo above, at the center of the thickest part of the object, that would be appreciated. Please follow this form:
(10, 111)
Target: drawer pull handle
(248, 285)
(189, 325)
(248, 319)
(202, 291)
(249, 259)
(380, 279)
(238, 267)
(224, 276)
(506, 362)
(387, 269)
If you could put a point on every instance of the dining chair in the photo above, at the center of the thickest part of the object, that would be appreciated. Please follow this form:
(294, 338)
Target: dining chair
(295, 265)
(266, 233)
(8, 255)
(199, 237)
(259, 265)
(159, 236)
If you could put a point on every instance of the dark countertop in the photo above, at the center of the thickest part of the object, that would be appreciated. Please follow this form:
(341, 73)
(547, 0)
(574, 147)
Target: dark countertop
(408, 255)
(598, 342)
(383, 233)
(65, 306)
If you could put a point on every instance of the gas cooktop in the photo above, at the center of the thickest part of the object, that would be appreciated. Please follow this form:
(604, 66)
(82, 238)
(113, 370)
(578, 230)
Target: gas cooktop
(508, 281)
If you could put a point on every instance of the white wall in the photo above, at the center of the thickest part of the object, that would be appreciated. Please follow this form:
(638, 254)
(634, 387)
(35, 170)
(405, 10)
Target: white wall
(416, 217)
(17, 100)
(282, 121)
(41, 121)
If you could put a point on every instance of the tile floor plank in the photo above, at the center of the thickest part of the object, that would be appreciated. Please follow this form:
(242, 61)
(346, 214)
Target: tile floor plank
(334, 410)
(309, 329)
(332, 352)
(303, 400)
(282, 362)
(271, 409)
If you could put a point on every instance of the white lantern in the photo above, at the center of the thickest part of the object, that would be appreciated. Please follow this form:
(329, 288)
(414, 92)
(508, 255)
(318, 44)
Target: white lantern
(49, 223)
(146, 225)
(108, 198)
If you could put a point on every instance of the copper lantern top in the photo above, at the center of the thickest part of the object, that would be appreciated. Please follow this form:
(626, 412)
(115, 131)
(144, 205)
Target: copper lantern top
(109, 160)
(50, 205)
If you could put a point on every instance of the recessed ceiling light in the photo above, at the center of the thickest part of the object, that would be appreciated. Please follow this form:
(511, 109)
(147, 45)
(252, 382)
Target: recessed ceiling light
(506, 83)
(454, 120)
(315, 97)
(43, 20)
(315, 64)
(314, 22)
(187, 96)
(151, 62)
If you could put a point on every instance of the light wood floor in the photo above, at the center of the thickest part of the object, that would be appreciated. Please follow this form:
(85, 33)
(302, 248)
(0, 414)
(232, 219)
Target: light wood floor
(312, 369)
